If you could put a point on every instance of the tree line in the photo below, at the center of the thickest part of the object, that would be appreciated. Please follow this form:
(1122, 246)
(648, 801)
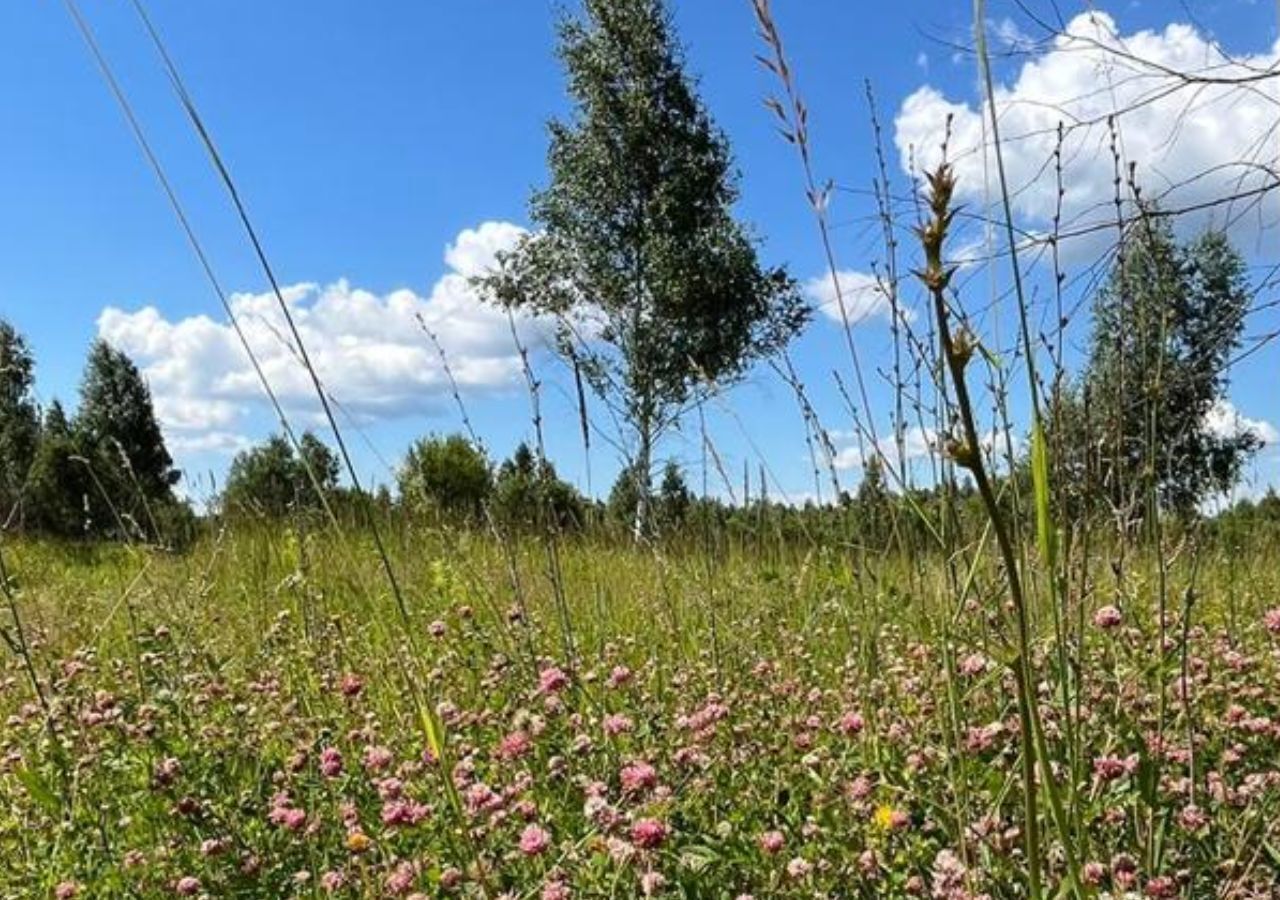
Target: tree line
(103, 472)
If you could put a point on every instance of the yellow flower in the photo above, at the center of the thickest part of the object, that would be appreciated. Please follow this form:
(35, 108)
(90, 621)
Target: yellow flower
(358, 842)
(884, 817)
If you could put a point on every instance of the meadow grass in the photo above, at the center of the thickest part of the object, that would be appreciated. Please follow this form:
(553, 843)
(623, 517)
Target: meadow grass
(238, 720)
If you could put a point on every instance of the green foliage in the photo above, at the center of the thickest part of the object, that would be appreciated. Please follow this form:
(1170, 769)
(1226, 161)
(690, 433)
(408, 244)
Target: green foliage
(271, 480)
(529, 495)
(635, 229)
(59, 486)
(117, 420)
(874, 504)
(629, 505)
(446, 474)
(19, 424)
(674, 498)
(119, 440)
(107, 472)
(1165, 326)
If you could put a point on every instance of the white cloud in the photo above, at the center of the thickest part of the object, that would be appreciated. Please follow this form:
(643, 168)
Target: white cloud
(475, 250)
(1191, 142)
(1224, 420)
(917, 443)
(368, 349)
(864, 296)
(219, 442)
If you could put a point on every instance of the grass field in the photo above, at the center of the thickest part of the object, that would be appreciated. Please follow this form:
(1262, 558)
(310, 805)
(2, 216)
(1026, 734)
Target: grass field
(247, 718)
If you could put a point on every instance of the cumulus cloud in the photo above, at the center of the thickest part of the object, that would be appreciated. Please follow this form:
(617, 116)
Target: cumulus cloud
(368, 348)
(864, 296)
(1192, 142)
(1224, 420)
(917, 443)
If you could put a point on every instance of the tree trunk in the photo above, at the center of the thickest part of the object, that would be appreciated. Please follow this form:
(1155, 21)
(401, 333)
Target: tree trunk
(640, 476)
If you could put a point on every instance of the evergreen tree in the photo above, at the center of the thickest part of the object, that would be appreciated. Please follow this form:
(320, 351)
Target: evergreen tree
(19, 424)
(674, 497)
(874, 503)
(116, 423)
(636, 238)
(59, 486)
(527, 494)
(628, 504)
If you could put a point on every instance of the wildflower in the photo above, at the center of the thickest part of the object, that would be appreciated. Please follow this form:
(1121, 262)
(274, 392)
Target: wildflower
(1124, 870)
(555, 890)
(351, 685)
(616, 724)
(404, 812)
(1110, 768)
(285, 814)
(1162, 886)
(166, 771)
(1107, 617)
(211, 847)
(377, 758)
(887, 818)
(619, 676)
(436, 629)
(357, 841)
(772, 841)
(552, 680)
(187, 886)
(979, 740)
(599, 811)
(401, 878)
(648, 834)
(948, 875)
(799, 867)
(652, 883)
(851, 723)
(1093, 873)
(860, 788)
(330, 762)
(450, 878)
(515, 745)
(1271, 620)
(973, 664)
(66, 890)
(333, 881)
(534, 840)
(1193, 818)
(869, 865)
(637, 776)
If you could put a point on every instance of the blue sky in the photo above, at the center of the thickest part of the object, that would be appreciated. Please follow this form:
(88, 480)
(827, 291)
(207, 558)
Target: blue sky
(368, 138)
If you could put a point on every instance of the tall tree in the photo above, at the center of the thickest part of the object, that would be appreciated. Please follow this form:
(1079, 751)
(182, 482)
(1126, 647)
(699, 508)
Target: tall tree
(116, 426)
(528, 493)
(59, 485)
(657, 287)
(449, 474)
(1165, 326)
(271, 480)
(19, 423)
(674, 496)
